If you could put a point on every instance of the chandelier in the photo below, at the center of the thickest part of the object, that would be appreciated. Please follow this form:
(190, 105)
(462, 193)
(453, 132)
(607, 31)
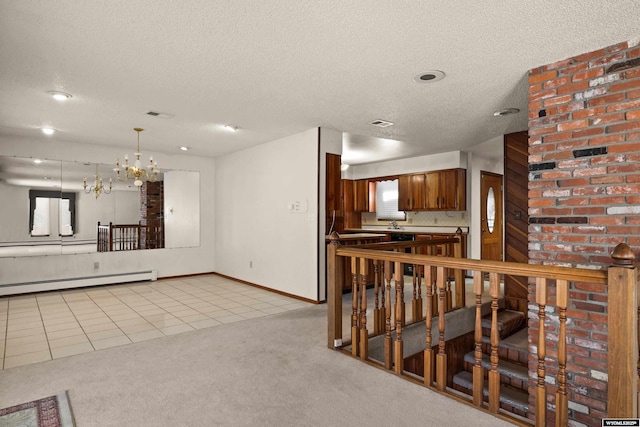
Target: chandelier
(97, 188)
(137, 172)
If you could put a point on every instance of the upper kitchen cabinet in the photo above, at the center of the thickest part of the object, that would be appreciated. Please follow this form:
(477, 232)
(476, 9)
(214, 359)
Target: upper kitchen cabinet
(446, 190)
(363, 201)
(411, 192)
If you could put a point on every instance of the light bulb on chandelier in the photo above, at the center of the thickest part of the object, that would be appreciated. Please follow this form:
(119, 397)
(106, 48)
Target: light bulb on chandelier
(97, 188)
(137, 172)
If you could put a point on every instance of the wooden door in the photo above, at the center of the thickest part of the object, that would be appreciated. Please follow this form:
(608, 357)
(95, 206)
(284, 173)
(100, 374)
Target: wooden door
(491, 216)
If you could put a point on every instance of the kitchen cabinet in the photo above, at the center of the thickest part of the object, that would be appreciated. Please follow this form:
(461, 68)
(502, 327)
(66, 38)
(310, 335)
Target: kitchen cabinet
(362, 199)
(411, 192)
(446, 190)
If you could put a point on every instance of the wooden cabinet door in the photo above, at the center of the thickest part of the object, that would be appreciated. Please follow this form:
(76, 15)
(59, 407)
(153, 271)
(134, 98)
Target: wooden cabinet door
(404, 193)
(348, 198)
(448, 195)
(418, 192)
(361, 193)
(453, 194)
(432, 184)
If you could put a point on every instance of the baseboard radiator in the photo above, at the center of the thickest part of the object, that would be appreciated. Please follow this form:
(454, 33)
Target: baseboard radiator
(77, 282)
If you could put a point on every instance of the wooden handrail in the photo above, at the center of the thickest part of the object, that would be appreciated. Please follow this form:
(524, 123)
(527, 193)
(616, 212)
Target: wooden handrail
(502, 267)
(552, 291)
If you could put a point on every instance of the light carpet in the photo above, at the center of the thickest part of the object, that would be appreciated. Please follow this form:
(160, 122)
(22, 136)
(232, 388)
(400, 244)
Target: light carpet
(272, 371)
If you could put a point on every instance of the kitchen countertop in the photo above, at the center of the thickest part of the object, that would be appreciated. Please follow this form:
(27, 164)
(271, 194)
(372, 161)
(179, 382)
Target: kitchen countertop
(360, 235)
(406, 230)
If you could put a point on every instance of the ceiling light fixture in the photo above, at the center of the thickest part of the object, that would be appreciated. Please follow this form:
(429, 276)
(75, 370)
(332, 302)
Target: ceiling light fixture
(344, 167)
(183, 148)
(97, 188)
(59, 96)
(48, 130)
(429, 76)
(137, 172)
(230, 128)
(506, 112)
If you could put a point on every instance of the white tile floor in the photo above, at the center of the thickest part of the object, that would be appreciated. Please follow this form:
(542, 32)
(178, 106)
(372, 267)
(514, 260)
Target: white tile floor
(49, 325)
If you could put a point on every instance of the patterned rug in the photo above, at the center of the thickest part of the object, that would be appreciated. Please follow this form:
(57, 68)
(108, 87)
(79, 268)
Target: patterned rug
(52, 411)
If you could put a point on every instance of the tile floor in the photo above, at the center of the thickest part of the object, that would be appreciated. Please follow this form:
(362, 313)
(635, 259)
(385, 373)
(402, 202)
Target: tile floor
(49, 325)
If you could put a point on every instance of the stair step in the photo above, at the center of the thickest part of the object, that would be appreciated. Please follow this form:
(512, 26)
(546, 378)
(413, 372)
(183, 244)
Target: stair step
(518, 400)
(509, 321)
(513, 348)
(506, 368)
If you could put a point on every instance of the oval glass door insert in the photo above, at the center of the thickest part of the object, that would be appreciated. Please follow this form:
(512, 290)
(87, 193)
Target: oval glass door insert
(491, 209)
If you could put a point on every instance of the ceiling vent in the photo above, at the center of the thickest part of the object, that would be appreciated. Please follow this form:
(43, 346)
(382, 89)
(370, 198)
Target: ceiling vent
(381, 123)
(161, 115)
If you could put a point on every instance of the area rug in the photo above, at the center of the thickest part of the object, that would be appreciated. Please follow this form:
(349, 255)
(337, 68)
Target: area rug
(52, 411)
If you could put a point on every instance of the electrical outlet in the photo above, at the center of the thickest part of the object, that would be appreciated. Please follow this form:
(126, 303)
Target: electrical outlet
(96, 265)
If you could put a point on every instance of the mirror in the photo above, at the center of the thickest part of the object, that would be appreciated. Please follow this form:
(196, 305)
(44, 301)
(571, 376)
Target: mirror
(491, 209)
(51, 193)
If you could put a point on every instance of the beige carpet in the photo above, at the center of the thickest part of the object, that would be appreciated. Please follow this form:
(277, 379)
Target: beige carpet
(273, 371)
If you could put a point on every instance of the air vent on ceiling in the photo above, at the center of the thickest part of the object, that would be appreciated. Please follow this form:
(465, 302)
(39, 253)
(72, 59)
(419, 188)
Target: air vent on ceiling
(161, 115)
(381, 123)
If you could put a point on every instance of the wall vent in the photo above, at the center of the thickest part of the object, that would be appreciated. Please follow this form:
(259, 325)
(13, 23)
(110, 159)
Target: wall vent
(381, 123)
(161, 115)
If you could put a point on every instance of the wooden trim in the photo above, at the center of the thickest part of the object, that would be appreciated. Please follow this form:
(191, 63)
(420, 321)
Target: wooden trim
(255, 285)
(543, 271)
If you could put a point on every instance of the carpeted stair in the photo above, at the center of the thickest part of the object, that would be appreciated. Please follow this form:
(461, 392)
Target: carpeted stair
(512, 365)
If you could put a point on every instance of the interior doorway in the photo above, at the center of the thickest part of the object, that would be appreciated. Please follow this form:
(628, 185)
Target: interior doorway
(491, 216)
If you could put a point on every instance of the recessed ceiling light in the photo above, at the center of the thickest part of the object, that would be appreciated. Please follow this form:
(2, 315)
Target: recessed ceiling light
(183, 148)
(429, 76)
(59, 96)
(37, 161)
(344, 167)
(48, 130)
(506, 112)
(230, 128)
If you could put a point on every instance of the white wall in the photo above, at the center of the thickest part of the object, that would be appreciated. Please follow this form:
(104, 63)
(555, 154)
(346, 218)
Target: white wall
(181, 209)
(168, 262)
(477, 163)
(450, 160)
(259, 239)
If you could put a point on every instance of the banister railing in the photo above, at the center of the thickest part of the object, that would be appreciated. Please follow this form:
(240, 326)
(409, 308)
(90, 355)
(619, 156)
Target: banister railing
(550, 285)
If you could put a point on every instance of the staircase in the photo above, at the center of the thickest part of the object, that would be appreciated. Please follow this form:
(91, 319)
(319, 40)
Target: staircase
(513, 356)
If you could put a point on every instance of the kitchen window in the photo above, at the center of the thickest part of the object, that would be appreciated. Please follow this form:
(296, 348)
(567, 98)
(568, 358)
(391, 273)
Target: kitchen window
(387, 201)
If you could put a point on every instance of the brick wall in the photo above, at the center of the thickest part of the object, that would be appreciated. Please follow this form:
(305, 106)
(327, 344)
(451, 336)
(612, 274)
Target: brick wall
(584, 198)
(152, 215)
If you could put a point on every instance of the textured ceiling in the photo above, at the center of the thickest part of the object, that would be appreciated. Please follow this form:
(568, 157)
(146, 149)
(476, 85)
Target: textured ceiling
(275, 68)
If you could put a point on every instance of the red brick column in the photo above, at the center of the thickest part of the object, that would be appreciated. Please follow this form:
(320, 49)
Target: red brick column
(152, 215)
(584, 198)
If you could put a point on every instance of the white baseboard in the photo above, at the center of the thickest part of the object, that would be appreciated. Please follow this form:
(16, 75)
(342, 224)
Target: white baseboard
(79, 282)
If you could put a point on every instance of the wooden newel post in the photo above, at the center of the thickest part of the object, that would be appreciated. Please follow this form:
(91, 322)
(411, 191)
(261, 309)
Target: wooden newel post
(623, 334)
(335, 277)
